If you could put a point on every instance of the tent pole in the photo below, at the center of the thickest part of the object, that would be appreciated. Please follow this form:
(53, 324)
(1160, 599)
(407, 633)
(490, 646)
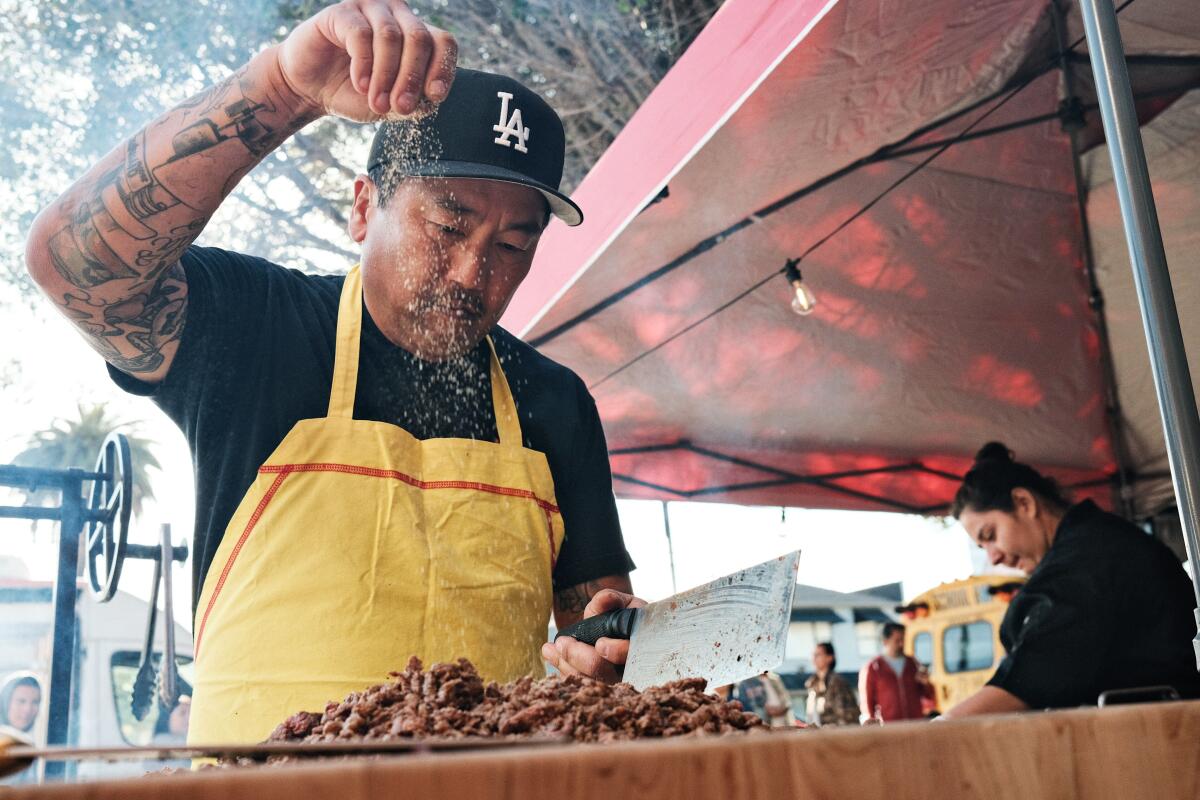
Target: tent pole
(670, 547)
(1123, 499)
(1160, 319)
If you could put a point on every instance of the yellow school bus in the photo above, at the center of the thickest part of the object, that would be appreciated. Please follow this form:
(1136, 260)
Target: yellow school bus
(954, 631)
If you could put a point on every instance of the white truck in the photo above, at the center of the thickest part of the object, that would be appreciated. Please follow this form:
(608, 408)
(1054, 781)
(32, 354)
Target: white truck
(110, 640)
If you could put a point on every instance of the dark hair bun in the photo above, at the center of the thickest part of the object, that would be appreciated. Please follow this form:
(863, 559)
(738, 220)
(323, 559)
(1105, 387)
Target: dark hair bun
(994, 451)
(988, 485)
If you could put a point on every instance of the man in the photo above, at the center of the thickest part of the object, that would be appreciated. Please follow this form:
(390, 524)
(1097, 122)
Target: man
(891, 686)
(381, 471)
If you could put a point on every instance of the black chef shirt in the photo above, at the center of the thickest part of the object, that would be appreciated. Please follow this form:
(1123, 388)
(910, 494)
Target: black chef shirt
(256, 356)
(1108, 607)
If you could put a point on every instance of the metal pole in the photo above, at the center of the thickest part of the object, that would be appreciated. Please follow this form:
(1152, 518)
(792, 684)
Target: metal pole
(62, 659)
(670, 547)
(1073, 122)
(1168, 360)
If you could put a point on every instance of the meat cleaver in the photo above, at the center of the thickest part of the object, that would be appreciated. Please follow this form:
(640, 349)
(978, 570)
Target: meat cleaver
(724, 631)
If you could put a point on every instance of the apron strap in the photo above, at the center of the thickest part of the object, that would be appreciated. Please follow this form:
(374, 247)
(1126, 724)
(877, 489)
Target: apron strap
(345, 366)
(345, 358)
(507, 423)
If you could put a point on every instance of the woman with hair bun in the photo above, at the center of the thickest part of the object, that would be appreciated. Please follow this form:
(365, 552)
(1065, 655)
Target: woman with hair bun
(1106, 606)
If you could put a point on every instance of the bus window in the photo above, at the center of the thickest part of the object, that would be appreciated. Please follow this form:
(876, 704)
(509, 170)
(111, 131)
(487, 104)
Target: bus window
(969, 647)
(923, 648)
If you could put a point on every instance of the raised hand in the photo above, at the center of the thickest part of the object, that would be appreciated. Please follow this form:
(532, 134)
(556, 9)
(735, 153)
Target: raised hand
(368, 59)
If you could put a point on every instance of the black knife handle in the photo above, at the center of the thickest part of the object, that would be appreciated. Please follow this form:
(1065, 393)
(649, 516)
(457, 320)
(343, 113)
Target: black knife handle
(613, 624)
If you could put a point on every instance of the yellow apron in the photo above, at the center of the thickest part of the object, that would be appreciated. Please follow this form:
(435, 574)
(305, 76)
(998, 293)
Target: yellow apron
(359, 546)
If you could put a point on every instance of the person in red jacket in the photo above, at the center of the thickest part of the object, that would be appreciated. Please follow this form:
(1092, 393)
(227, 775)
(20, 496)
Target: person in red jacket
(891, 686)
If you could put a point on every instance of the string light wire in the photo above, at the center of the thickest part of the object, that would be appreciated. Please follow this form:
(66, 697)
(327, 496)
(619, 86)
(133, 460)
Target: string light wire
(845, 223)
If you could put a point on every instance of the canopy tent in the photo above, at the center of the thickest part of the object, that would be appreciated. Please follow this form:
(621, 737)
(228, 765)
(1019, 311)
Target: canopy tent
(954, 296)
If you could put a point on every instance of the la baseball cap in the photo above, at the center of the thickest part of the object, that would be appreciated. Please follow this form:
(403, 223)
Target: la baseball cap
(489, 126)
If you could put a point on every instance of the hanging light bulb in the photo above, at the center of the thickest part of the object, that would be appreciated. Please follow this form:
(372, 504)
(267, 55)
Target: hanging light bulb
(803, 301)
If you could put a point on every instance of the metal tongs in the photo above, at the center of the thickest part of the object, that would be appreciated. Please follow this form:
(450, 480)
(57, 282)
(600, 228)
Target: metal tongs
(166, 678)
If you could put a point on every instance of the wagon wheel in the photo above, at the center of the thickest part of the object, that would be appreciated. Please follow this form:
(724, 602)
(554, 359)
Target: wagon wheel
(108, 510)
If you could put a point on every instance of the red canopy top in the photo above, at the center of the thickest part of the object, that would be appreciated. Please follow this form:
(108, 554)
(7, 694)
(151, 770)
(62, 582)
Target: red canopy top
(952, 311)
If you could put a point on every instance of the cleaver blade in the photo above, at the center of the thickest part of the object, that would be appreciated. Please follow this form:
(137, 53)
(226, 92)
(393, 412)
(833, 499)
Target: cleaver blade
(725, 631)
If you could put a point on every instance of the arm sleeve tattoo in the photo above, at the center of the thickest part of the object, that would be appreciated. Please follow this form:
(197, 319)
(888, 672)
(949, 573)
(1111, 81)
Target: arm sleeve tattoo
(115, 237)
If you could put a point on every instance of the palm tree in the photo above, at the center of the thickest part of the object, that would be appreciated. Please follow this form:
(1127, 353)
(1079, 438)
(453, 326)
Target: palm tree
(76, 443)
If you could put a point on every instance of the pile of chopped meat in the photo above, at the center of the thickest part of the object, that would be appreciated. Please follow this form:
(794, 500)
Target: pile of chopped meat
(451, 701)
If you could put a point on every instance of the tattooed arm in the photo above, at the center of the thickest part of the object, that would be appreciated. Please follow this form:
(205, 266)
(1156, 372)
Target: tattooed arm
(570, 602)
(107, 251)
(605, 660)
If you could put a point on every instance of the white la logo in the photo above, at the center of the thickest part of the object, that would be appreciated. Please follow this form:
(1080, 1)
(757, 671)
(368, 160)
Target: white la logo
(512, 127)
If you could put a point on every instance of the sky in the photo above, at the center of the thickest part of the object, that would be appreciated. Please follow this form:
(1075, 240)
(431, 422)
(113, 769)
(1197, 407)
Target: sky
(840, 550)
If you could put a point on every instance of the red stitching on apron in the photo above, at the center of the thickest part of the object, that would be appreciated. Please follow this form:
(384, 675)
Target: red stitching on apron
(237, 548)
(411, 481)
(548, 507)
(550, 538)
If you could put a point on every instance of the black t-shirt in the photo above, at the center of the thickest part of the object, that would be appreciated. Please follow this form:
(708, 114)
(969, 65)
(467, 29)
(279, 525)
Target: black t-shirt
(1107, 608)
(256, 357)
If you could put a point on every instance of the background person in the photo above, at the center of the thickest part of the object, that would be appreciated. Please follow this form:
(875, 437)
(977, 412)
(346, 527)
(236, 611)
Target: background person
(891, 686)
(1105, 607)
(768, 697)
(20, 702)
(830, 699)
(171, 727)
